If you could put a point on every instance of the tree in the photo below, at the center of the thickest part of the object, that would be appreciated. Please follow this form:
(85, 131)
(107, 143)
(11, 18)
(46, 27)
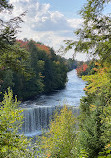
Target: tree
(12, 145)
(92, 130)
(4, 5)
(95, 119)
(94, 36)
(43, 71)
(11, 56)
(60, 140)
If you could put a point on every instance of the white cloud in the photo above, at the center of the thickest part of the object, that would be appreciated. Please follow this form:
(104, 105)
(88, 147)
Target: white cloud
(42, 24)
(14, 1)
(56, 16)
(75, 22)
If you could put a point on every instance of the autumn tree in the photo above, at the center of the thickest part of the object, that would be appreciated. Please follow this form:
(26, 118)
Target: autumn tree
(60, 141)
(95, 38)
(12, 144)
(12, 57)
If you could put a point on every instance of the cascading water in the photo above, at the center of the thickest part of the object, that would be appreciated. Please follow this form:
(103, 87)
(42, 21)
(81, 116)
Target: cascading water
(37, 113)
(36, 119)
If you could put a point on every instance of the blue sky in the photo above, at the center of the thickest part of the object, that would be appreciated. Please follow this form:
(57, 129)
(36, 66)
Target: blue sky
(69, 8)
(49, 21)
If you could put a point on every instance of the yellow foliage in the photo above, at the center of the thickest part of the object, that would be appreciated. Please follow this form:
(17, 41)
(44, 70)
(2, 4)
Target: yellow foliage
(92, 107)
(57, 62)
(98, 64)
(98, 82)
(59, 141)
(107, 146)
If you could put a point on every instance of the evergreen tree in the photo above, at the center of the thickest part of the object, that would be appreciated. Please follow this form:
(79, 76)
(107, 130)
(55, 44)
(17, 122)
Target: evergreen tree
(95, 39)
(11, 56)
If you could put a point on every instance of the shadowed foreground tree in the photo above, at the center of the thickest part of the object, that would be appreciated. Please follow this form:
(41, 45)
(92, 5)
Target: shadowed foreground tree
(11, 56)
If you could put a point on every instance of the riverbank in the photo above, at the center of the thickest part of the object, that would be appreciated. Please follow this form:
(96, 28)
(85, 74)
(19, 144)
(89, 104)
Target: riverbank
(37, 113)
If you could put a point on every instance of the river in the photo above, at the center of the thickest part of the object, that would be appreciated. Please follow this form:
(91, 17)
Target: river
(37, 113)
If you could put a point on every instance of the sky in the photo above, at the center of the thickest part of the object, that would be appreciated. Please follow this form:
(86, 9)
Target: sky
(49, 21)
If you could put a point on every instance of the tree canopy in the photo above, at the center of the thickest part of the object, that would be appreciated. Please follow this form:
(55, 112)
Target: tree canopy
(95, 121)
(94, 36)
(10, 55)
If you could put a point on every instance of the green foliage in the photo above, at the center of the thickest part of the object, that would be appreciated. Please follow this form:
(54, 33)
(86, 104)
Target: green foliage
(87, 68)
(12, 57)
(92, 36)
(8, 29)
(28, 67)
(4, 5)
(99, 83)
(83, 154)
(91, 134)
(31, 68)
(95, 119)
(12, 145)
(42, 71)
(60, 140)
(71, 64)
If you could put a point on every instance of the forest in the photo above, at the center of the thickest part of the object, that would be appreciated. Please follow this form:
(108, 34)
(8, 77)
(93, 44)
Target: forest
(41, 71)
(36, 72)
(29, 68)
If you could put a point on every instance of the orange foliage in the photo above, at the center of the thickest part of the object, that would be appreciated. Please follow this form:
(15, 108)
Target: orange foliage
(48, 155)
(95, 69)
(81, 69)
(43, 47)
(22, 44)
(85, 89)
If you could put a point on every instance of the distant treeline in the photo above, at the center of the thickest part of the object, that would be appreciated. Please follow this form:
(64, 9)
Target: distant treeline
(41, 72)
(86, 68)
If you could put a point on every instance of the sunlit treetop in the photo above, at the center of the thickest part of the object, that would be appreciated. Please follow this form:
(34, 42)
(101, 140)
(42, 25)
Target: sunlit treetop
(24, 44)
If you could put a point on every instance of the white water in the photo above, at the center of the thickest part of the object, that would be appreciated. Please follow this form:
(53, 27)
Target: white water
(37, 113)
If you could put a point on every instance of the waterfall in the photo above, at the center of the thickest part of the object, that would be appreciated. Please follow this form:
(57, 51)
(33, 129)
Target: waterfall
(38, 113)
(36, 119)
